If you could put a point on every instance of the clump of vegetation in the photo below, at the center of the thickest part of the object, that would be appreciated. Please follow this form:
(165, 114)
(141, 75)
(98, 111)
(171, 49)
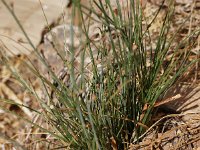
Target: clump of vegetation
(110, 106)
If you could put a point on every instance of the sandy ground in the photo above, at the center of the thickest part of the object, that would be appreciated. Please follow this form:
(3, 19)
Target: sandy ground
(32, 19)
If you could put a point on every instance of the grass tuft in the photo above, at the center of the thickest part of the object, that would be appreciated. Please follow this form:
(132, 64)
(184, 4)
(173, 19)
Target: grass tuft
(108, 102)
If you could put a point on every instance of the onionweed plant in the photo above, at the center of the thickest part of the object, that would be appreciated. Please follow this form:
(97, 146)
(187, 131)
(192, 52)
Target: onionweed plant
(109, 104)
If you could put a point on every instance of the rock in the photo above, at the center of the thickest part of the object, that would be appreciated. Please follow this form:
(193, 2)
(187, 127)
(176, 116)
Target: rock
(31, 18)
(189, 102)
